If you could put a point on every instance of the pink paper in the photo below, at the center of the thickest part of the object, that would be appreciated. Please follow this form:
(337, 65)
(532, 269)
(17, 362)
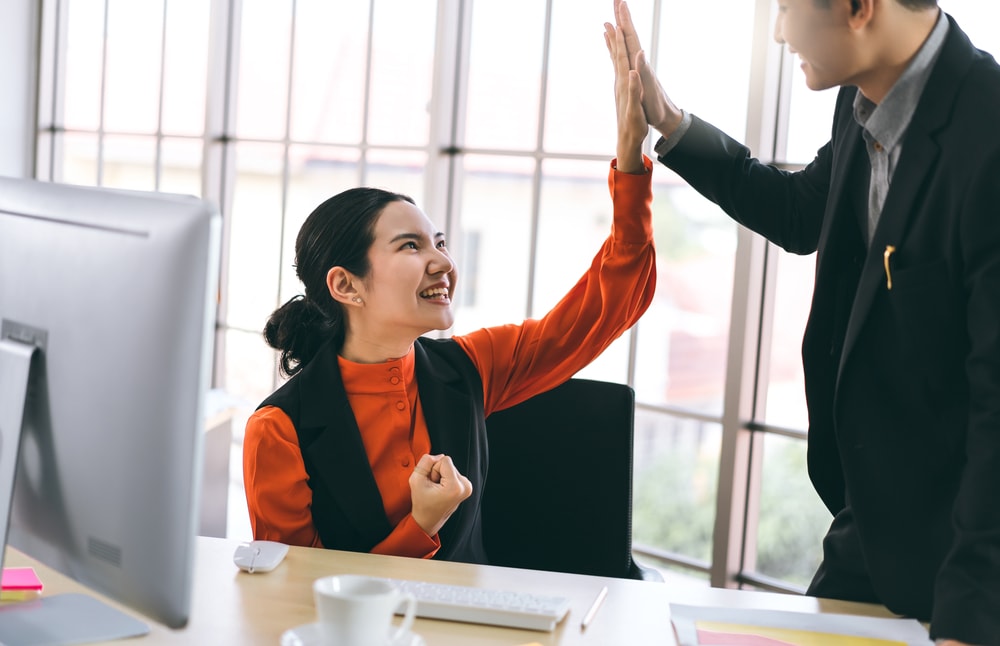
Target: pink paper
(20, 578)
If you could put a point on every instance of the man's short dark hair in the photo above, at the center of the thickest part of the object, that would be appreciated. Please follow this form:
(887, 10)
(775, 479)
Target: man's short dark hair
(909, 4)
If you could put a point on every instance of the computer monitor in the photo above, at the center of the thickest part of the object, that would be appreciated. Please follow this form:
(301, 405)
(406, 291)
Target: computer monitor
(107, 317)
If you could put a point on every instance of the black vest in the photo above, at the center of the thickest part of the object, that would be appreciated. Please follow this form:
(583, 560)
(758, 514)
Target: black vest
(347, 508)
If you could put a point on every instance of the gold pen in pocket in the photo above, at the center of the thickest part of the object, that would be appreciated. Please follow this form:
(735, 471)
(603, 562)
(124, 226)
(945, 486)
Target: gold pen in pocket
(889, 250)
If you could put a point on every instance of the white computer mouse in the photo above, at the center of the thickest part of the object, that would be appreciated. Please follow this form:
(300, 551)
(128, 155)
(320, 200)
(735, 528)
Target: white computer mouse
(259, 556)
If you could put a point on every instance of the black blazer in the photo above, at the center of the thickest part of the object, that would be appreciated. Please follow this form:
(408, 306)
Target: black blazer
(347, 508)
(902, 385)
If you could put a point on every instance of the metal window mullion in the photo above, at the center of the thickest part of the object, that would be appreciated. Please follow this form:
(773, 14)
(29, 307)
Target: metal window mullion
(100, 112)
(539, 154)
(755, 460)
(219, 166)
(51, 78)
(672, 558)
(653, 54)
(735, 450)
(367, 97)
(736, 501)
(775, 97)
(647, 146)
(448, 106)
(158, 161)
(286, 156)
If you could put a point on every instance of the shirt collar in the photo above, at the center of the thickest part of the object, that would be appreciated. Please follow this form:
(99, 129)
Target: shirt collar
(887, 121)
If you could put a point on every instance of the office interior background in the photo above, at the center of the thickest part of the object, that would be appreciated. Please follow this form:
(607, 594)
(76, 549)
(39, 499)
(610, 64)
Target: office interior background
(497, 116)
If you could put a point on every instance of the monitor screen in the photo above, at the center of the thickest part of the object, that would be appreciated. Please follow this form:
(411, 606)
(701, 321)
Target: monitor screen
(107, 317)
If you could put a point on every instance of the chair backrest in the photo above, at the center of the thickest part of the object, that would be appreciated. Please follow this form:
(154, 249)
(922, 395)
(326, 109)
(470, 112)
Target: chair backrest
(558, 494)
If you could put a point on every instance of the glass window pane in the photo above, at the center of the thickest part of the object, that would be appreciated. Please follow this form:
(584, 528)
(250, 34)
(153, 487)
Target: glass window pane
(580, 104)
(181, 166)
(249, 369)
(132, 90)
(675, 480)
(792, 519)
(786, 401)
(494, 241)
(502, 106)
(402, 72)
(84, 50)
(185, 67)
(316, 174)
(265, 41)
(978, 20)
(810, 119)
(574, 220)
(401, 171)
(328, 86)
(610, 365)
(683, 337)
(715, 83)
(254, 235)
(79, 161)
(129, 162)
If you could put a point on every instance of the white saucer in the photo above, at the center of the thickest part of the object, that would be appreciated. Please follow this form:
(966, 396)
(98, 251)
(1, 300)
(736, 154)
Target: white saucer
(308, 635)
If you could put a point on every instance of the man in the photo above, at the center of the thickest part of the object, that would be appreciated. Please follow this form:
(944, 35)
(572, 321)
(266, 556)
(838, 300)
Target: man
(902, 349)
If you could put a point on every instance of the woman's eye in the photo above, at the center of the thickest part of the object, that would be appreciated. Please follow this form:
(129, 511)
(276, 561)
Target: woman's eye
(410, 245)
(441, 244)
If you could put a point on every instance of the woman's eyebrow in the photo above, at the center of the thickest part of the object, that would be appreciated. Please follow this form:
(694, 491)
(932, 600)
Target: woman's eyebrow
(405, 236)
(412, 236)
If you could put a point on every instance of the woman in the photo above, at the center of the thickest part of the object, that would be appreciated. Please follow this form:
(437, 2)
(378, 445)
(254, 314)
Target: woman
(377, 442)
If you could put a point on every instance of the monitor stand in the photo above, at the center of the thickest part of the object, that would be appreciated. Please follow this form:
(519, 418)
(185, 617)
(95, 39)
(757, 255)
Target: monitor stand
(57, 619)
(70, 618)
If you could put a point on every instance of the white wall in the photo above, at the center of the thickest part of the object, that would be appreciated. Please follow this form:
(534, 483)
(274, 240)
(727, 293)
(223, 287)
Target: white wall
(18, 45)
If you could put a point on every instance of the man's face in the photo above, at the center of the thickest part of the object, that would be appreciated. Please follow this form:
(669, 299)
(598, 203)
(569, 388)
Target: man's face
(822, 39)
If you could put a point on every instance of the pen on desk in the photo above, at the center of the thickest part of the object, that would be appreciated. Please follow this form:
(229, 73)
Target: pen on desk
(594, 607)
(889, 250)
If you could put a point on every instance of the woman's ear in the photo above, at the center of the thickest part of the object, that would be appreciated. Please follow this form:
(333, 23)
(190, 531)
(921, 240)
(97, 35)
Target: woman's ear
(342, 285)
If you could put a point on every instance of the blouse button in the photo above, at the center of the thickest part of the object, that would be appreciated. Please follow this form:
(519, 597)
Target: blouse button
(394, 380)
(400, 405)
(406, 462)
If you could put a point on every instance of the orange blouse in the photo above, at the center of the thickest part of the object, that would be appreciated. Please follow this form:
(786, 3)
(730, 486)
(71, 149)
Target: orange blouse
(516, 362)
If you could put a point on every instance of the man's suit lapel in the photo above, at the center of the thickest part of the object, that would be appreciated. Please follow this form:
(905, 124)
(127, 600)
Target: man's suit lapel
(919, 156)
(847, 148)
(338, 450)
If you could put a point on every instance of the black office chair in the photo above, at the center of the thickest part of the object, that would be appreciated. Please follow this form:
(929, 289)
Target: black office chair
(558, 494)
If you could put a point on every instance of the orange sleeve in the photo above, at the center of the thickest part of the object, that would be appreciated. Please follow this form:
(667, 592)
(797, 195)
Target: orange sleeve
(277, 487)
(407, 539)
(279, 498)
(520, 361)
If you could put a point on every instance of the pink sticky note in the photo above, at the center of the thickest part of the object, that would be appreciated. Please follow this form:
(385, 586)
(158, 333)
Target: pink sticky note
(20, 578)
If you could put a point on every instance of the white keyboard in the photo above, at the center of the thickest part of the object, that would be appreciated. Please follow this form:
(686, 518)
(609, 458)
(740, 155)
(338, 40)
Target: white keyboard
(479, 606)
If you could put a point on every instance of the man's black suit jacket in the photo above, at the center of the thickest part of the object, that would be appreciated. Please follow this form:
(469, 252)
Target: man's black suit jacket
(902, 384)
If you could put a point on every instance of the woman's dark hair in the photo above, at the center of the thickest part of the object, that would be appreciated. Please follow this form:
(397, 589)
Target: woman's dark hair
(338, 233)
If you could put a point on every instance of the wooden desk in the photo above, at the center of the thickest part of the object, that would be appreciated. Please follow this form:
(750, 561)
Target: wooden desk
(231, 607)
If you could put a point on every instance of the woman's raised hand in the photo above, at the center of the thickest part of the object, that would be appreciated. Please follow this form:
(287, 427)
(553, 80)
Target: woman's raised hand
(632, 128)
(436, 490)
(660, 111)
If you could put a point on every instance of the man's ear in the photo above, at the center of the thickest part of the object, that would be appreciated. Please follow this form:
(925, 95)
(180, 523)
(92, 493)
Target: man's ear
(862, 12)
(343, 286)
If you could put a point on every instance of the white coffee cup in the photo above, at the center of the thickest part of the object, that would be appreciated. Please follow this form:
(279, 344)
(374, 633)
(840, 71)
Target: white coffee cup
(355, 610)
